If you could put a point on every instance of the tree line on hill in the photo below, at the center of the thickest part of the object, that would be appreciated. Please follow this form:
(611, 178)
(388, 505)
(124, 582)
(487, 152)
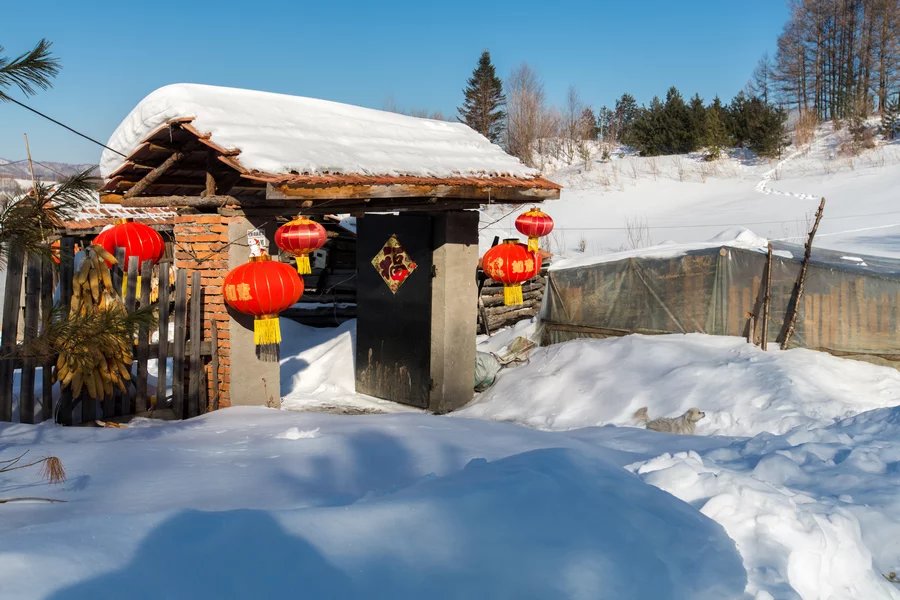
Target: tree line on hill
(519, 119)
(836, 60)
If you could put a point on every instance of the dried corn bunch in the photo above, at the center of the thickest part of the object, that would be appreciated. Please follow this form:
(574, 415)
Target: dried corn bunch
(107, 363)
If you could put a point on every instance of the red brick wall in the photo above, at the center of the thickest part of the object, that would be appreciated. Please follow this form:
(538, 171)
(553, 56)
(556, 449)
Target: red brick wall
(201, 244)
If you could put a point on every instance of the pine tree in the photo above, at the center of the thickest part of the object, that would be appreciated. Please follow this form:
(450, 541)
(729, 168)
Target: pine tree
(482, 107)
(890, 119)
(715, 135)
(697, 121)
(29, 71)
(625, 115)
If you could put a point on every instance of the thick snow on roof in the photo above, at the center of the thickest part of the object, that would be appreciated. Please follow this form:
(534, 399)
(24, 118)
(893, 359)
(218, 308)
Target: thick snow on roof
(277, 133)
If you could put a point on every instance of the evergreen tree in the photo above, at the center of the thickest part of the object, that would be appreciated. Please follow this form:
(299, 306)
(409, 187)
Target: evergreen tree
(626, 113)
(715, 134)
(29, 71)
(482, 109)
(890, 119)
(676, 124)
(647, 133)
(27, 220)
(605, 125)
(697, 120)
(757, 125)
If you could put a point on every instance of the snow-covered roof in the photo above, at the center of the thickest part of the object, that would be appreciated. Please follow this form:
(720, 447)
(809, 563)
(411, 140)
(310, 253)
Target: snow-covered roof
(281, 134)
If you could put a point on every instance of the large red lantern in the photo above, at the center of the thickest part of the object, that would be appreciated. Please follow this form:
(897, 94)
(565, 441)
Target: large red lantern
(263, 288)
(138, 240)
(511, 263)
(535, 224)
(300, 237)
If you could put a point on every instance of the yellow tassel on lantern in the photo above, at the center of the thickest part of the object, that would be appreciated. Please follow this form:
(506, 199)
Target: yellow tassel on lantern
(266, 330)
(512, 294)
(303, 266)
(533, 244)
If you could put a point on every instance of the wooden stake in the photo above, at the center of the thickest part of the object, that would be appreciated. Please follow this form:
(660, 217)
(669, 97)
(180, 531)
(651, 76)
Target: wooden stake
(791, 318)
(764, 336)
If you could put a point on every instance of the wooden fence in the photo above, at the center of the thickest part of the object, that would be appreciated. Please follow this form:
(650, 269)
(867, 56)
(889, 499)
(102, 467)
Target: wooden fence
(186, 353)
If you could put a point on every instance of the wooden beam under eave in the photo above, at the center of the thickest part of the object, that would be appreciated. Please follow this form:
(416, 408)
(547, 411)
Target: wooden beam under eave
(153, 175)
(484, 194)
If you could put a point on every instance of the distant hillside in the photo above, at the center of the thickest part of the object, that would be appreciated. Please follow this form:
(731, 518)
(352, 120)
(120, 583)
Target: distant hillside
(43, 170)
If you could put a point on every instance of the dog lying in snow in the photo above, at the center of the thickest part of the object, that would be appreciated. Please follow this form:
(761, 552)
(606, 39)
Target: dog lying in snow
(684, 424)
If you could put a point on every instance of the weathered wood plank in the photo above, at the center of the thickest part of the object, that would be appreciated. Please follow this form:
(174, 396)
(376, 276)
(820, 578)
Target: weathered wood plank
(196, 333)
(131, 291)
(143, 342)
(214, 367)
(32, 318)
(117, 402)
(66, 273)
(162, 353)
(15, 263)
(484, 193)
(178, 344)
(46, 313)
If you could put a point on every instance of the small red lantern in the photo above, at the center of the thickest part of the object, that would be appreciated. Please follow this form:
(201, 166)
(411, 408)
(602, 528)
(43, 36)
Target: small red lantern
(300, 237)
(138, 240)
(263, 288)
(534, 223)
(511, 263)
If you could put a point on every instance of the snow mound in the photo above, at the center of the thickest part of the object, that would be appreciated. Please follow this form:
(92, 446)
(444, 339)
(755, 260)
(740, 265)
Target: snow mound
(277, 133)
(743, 390)
(386, 506)
(810, 511)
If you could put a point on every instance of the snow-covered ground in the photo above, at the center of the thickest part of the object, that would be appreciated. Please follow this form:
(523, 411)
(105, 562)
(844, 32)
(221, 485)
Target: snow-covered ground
(543, 487)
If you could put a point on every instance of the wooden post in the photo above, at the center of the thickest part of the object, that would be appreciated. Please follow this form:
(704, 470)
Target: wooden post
(764, 339)
(66, 273)
(214, 338)
(163, 353)
(196, 325)
(128, 399)
(46, 313)
(791, 317)
(178, 345)
(14, 265)
(32, 315)
(143, 342)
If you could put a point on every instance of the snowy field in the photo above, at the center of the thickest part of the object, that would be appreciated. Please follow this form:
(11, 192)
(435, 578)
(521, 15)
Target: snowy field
(544, 486)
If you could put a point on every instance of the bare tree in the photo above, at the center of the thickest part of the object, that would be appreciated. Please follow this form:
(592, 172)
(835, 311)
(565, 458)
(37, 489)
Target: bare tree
(526, 113)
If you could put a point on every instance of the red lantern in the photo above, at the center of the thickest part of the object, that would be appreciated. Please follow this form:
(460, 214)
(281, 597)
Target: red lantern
(138, 240)
(263, 288)
(300, 237)
(511, 263)
(534, 223)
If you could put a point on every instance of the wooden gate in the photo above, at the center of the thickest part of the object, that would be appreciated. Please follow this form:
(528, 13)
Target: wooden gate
(27, 391)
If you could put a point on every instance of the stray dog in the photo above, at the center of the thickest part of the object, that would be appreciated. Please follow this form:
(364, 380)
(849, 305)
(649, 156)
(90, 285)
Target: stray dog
(684, 424)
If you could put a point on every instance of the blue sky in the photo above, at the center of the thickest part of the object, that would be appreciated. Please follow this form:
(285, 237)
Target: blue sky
(410, 54)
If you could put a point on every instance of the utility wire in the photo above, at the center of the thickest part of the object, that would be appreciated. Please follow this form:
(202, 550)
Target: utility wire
(37, 112)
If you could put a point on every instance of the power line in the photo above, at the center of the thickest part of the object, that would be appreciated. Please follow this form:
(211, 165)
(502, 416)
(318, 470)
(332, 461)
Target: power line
(37, 112)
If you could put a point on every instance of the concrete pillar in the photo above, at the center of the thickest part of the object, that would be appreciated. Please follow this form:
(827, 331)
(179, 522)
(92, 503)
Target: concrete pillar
(454, 309)
(252, 381)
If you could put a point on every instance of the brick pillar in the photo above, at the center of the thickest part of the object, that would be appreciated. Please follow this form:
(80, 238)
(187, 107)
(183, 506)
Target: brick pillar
(201, 245)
